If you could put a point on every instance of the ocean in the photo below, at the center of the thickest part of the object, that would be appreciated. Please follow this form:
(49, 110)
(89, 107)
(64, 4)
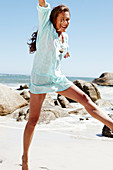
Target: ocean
(17, 79)
(13, 80)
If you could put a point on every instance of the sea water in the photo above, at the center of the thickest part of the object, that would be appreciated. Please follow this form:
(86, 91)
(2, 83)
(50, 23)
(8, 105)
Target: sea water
(16, 79)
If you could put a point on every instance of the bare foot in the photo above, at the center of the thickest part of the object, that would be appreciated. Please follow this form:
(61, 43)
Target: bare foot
(24, 163)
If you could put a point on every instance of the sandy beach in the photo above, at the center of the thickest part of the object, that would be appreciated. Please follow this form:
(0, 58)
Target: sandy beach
(56, 149)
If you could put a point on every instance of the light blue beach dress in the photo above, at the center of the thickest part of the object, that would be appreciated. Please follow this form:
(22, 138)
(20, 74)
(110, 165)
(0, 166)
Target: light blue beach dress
(46, 75)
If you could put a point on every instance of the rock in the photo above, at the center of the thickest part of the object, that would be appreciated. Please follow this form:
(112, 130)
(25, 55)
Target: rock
(89, 88)
(106, 79)
(63, 101)
(21, 118)
(58, 111)
(48, 101)
(24, 111)
(10, 100)
(106, 131)
(26, 86)
(104, 103)
(56, 102)
(1, 161)
(80, 111)
(26, 95)
(81, 119)
(48, 114)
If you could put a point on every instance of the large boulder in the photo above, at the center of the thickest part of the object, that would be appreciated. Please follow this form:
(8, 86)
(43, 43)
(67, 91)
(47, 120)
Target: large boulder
(22, 87)
(47, 114)
(106, 131)
(26, 95)
(89, 88)
(10, 100)
(104, 103)
(48, 101)
(64, 101)
(79, 111)
(106, 79)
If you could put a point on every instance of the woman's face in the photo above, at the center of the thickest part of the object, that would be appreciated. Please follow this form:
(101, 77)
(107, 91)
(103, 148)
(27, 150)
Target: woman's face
(62, 22)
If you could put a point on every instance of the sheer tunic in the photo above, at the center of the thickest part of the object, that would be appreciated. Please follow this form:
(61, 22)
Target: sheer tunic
(46, 75)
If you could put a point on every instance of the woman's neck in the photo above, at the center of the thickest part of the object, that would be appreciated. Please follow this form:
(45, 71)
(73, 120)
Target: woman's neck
(59, 33)
(61, 38)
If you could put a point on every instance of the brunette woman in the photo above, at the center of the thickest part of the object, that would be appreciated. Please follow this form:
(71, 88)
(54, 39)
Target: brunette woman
(51, 45)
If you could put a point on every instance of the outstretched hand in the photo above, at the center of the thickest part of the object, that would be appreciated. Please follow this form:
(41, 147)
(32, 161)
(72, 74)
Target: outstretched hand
(67, 55)
(42, 3)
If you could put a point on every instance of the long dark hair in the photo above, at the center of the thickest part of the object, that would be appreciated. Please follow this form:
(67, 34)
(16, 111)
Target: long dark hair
(53, 16)
(32, 44)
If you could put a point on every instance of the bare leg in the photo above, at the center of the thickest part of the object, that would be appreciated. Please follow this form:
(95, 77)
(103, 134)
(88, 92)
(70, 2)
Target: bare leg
(36, 101)
(78, 95)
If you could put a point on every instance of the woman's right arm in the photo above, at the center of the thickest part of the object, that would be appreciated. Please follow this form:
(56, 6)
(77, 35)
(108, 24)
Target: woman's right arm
(44, 11)
(42, 3)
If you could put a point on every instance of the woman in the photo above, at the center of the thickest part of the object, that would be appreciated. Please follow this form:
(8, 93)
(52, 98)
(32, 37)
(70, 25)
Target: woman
(51, 46)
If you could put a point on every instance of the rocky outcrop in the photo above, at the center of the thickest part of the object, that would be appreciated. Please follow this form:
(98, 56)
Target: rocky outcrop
(80, 111)
(22, 87)
(104, 103)
(47, 114)
(107, 131)
(26, 95)
(10, 100)
(106, 79)
(89, 88)
(63, 101)
(48, 101)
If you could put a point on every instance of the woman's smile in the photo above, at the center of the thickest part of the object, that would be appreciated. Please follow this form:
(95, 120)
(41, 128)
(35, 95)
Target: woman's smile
(62, 21)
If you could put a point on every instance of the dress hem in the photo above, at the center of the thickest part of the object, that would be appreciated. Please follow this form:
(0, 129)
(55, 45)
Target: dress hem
(50, 91)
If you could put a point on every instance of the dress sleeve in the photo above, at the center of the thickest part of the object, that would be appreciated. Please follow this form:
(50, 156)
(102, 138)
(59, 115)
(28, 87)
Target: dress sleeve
(43, 14)
(66, 41)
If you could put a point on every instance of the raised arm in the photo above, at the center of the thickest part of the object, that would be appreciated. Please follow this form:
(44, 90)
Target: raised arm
(42, 3)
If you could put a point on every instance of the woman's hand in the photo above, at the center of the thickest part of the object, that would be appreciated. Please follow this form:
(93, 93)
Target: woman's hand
(42, 3)
(67, 55)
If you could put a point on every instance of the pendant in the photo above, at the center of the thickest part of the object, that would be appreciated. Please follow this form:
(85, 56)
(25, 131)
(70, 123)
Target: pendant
(61, 50)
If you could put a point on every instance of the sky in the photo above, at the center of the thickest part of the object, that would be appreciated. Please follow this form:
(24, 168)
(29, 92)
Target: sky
(90, 36)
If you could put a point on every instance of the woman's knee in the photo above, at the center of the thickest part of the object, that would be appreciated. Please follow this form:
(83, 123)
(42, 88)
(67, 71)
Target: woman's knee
(86, 99)
(33, 121)
(88, 103)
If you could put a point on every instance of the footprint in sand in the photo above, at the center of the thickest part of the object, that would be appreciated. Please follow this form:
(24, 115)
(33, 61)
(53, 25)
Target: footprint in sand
(1, 161)
(19, 164)
(44, 168)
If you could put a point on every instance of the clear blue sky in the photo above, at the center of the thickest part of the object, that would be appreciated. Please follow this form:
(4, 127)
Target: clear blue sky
(90, 36)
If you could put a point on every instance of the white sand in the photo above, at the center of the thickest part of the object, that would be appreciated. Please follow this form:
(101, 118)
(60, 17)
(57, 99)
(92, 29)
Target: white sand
(55, 149)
